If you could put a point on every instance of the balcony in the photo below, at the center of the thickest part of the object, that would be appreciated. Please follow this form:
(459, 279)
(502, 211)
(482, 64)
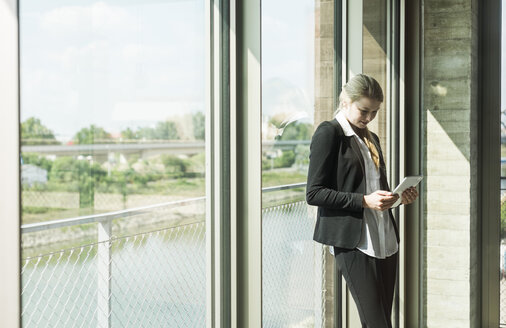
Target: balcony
(155, 276)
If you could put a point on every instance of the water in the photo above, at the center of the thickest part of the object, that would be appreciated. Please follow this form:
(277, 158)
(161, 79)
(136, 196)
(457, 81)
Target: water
(158, 279)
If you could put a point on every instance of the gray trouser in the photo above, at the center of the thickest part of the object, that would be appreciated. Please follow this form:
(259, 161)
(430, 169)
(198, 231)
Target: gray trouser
(371, 282)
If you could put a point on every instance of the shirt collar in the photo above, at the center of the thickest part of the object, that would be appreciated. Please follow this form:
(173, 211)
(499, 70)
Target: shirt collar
(343, 121)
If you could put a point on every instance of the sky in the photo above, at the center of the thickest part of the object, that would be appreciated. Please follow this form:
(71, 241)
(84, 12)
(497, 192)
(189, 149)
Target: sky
(114, 66)
(131, 63)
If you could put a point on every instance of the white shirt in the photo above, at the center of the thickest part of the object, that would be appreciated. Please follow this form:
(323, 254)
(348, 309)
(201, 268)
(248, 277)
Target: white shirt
(378, 233)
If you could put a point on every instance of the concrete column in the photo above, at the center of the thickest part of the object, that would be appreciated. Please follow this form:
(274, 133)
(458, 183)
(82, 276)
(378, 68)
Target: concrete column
(324, 85)
(450, 125)
(324, 60)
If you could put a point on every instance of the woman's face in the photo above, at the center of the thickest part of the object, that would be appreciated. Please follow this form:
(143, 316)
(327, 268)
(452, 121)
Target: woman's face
(361, 112)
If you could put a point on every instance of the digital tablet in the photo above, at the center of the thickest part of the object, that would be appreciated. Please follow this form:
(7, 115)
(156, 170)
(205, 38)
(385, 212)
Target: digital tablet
(410, 181)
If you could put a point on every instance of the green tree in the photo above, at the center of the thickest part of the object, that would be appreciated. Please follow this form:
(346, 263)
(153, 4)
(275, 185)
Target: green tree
(165, 130)
(64, 170)
(35, 159)
(175, 166)
(285, 160)
(34, 133)
(146, 133)
(91, 135)
(129, 134)
(302, 155)
(80, 173)
(297, 131)
(199, 125)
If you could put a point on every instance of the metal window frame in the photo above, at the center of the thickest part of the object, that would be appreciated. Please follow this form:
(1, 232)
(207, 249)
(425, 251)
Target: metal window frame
(218, 163)
(10, 275)
(339, 80)
(352, 64)
(411, 273)
(489, 118)
(394, 55)
(246, 168)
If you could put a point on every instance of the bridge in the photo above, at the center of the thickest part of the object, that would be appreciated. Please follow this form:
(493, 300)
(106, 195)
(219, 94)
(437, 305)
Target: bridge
(100, 152)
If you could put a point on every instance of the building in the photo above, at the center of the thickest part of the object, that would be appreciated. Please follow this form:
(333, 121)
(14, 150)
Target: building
(439, 65)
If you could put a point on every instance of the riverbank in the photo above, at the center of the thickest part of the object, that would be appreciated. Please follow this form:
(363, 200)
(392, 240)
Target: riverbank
(43, 242)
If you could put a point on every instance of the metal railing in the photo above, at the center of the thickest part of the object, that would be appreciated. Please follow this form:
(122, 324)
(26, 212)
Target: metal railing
(289, 284)
(156, 277)
(184, 147)
(105, 217)
(143, 280)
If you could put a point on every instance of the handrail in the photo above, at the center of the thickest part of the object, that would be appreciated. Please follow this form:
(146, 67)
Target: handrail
(284, 187)
(141, 146)
(109, 216)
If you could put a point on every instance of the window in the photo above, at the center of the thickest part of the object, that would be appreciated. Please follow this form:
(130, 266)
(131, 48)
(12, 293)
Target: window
(291, 59)
(113, 163)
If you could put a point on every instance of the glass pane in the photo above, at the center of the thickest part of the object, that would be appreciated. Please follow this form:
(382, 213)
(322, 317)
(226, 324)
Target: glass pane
(112, 119)
(289, 38)
(374, 59)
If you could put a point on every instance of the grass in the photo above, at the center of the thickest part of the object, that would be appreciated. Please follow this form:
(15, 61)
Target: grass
(182, 188)
(50, 213)
(37, 210)
(187, 187)
(282, 177)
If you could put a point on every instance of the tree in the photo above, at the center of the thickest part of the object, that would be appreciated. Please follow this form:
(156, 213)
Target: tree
(302, 155)
(297, 131)
(35, 159)
(34, 133)
(166, 130)
(285, 160)
(129, 134)
(91, 135)
(146, 133)
(199, 125)
(82, 173)
(174, 166)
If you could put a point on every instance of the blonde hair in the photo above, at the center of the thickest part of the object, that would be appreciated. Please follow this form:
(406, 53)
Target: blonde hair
(360, 86)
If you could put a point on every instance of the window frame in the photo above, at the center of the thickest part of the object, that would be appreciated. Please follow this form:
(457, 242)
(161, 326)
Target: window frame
(10, 235)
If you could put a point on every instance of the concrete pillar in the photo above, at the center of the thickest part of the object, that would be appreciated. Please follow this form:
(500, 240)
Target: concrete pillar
(324, 60)
(450, 82)
(324, 84)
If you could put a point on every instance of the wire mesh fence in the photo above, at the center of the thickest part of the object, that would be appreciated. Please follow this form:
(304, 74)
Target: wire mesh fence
(144, 219)
(157, 278)
(101, 201)
(503, 301)
(502, 283)
(288, 266)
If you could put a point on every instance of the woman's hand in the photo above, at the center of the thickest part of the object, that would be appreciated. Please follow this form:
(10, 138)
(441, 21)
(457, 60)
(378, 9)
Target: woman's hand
(380, 200)
(409, 195)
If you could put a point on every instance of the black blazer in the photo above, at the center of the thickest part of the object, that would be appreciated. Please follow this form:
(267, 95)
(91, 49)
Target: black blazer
(336, 184)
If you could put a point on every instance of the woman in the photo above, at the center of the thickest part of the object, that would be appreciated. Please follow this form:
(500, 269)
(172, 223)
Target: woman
(347, 181)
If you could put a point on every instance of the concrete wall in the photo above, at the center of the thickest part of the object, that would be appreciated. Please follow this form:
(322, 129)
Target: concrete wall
(324, 88)
(450, 151)
(324, 60)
